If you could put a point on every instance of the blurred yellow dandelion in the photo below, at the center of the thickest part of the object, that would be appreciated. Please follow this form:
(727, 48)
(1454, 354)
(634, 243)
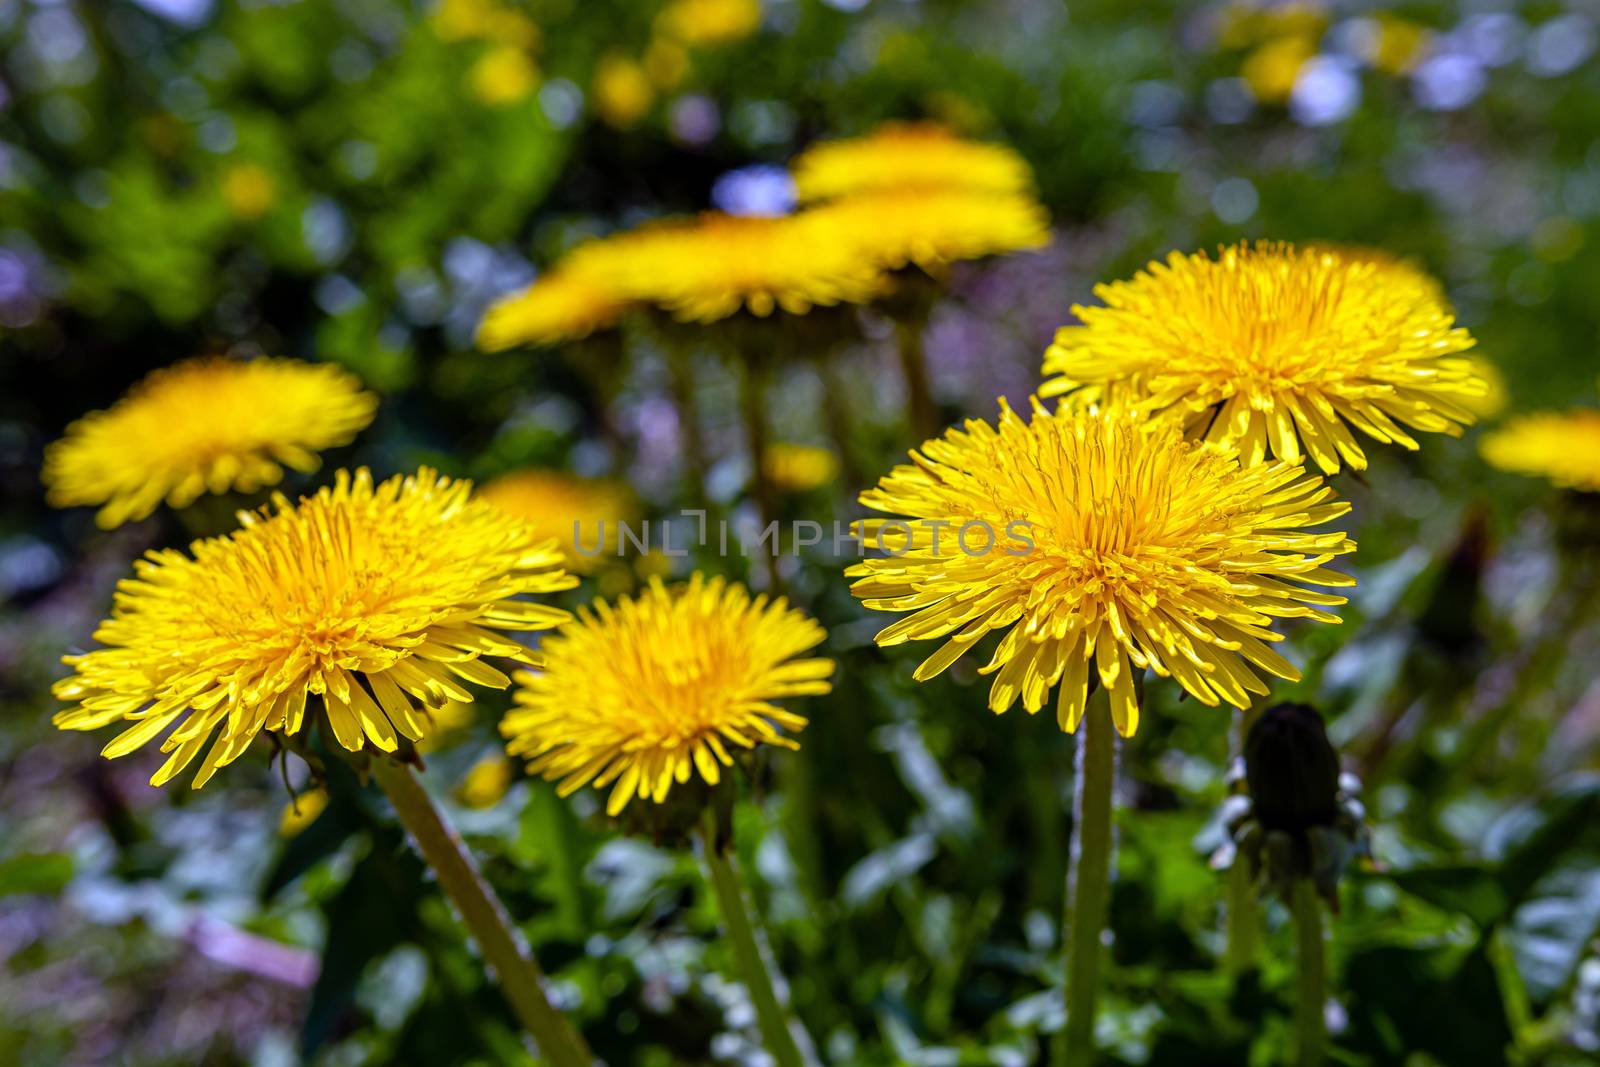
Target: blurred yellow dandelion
(710, 267)
(1099, 541)
(931, 228)
(567, 508)
(379, 600)
(563, 304)
(1275, 349)
(487, 782)
(301, 812)
(504, 75)
(660, 687)
(1272, 70)
(206, 425)
(709, 23)
(1563, 447)
(901, 155)
(798, 468)
(249, 190)
(622, 91)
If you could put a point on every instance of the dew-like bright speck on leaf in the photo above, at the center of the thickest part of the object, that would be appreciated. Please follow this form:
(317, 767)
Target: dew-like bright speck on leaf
(1563, 447)
(1275, 350)
(659, 687)
(368, 604)
(1117, 546)
(205, 425)
(902, 155)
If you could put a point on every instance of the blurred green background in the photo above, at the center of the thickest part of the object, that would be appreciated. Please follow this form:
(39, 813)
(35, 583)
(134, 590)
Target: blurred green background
(354, 180)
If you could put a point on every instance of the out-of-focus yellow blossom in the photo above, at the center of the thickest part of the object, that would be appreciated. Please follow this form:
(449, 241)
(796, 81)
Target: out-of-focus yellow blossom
(622, 91)
(504, 75)
(901, 155)
(204, 426)
(708, 23)
(932, 227)
(463, 20)
(1563, 447)
(249, 190)
(445, 722)
(710, 267)
(1249, 22)
(1399, 44)
(301, 812)
(1272, 69)
(667, 62)
(799, 468)
(487, 783)
(1495, 397)
(553, 502)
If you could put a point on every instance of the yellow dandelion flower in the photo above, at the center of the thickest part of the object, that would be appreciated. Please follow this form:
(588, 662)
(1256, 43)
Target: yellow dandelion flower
(1275, 349)
(899, 155)
(1563, 447)
(1495, 396)
(564, 507)
(932, 228)
(379, 600)
(449, 719)
(1099, 540)
(487, 782)
(798, 468)
(562, 305)
(708, 268)
(1399, 44)
(463, 20)
(659, 687)
(708, 23)
(504, 75)
(622, 91)
(249, 190)
(1272, 70)
(206, 425)
(301, 812)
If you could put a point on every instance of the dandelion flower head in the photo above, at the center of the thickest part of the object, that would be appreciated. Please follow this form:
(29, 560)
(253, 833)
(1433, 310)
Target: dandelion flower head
(662, 686)
(901, 155)
(1099, 542)
(205, 425)
(1563, 447)
(380, 601)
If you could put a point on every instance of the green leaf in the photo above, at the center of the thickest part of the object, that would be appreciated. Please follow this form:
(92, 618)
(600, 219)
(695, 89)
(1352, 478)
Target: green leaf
(43, 872)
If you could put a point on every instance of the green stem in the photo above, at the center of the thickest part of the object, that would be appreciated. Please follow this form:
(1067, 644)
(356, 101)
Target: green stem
(680, 374)
(753, 970)
(753, 404)
(914, 365)
(519, 976)
(1311, 1036)
(1089, 878)
(1243, 949)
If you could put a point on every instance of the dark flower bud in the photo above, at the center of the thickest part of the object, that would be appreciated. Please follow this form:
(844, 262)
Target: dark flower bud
(1292, 769)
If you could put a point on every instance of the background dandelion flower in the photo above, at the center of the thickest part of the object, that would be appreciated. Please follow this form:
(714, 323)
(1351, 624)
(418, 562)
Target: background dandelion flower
(561, 305)
(206, 425)
(381, 600)
(552, 502)
(901, 155)
(713, 266)
(1276, 350)
(659, 687)
(1563, 447)
(932, 228)
(1140, 550)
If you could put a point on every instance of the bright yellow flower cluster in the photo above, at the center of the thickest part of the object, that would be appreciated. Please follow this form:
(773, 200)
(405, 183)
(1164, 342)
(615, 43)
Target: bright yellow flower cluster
(377, 600)
(657, 689)
(1561, 446)
(1275, 350)
(901, 155)
(1100, 540)
(207, 425)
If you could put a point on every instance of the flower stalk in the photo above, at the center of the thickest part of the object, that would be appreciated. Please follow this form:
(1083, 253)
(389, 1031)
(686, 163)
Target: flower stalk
(520, 978)
(1088, 878)
(748, 957)
(1311, 1035)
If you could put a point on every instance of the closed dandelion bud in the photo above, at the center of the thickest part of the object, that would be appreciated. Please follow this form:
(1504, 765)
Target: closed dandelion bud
(1292, 769)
